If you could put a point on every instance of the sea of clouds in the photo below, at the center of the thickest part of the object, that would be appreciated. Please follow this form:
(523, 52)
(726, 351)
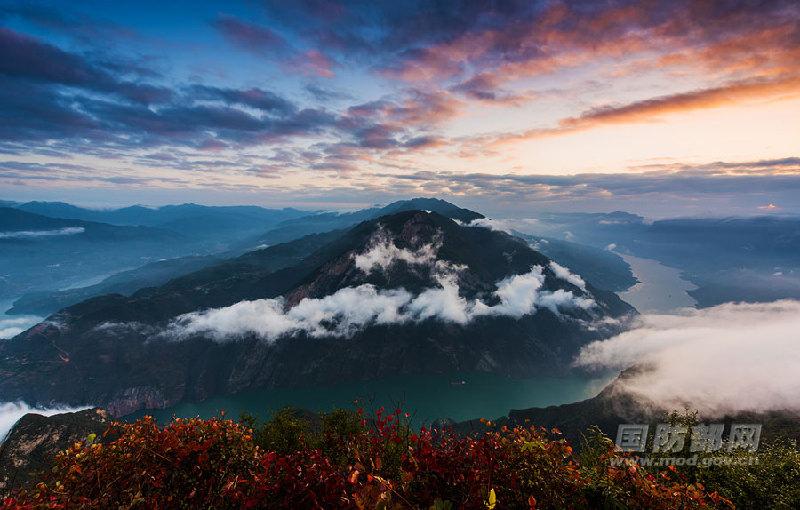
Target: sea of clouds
(351, 309)
(732, 357)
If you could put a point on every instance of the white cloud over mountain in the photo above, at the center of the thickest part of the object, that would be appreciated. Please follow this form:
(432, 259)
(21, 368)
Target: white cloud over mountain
(383, 253)
(566, 275)
(350, 309)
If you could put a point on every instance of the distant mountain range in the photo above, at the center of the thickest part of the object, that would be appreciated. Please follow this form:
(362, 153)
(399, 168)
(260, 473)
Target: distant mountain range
(217, 222)
(37, 250)
(412, 292)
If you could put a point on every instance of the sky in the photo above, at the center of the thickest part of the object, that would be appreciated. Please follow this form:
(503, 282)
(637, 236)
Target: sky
(659, 107)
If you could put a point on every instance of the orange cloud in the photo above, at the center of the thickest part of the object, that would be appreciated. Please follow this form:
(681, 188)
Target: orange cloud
(651, 109)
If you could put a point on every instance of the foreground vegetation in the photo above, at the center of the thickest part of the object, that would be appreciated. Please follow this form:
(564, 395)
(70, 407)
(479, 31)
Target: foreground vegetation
(346, 460)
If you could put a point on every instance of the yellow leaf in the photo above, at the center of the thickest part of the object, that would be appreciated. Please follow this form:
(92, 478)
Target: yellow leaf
(492, 500)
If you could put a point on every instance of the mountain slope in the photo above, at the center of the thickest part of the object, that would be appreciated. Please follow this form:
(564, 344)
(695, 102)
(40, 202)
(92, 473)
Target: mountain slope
(408, 293)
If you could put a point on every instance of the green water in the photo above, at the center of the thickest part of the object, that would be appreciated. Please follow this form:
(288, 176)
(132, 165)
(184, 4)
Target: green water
(425, 397)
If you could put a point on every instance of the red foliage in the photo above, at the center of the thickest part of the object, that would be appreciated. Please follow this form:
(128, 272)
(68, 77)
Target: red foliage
(216, 464)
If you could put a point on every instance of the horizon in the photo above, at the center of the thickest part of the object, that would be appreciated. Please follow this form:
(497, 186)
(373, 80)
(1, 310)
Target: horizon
(765, 213)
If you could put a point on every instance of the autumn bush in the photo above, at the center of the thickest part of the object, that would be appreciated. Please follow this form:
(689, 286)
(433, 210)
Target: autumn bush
(346, 460)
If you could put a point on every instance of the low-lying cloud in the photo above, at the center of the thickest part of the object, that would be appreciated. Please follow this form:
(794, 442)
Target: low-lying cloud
(568, 276)
(732, 357)
(351, 309)
(13, 326)
(524, 225)
(66, 231)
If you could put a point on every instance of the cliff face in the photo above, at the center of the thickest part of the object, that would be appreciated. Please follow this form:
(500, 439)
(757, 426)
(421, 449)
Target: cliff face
(30, 447)
(440, 310)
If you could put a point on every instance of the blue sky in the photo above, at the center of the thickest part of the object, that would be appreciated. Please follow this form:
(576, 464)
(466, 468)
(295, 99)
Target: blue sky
(660, 107)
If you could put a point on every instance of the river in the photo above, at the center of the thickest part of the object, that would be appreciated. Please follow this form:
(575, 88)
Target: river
(425, 397)
(660, 289)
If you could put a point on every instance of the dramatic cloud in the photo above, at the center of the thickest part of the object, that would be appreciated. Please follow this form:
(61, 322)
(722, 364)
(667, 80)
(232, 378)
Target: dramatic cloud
(650, 110)
(452, 98)
(732, 357)
(351, 309)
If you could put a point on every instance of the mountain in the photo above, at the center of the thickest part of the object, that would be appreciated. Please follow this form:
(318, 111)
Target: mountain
(44, 302)
(37, 251)
(604, 268)
(408, 293)
(220, 224)
(292, 229)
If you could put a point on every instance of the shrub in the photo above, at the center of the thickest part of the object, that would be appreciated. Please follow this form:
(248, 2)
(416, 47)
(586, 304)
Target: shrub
(347, 461)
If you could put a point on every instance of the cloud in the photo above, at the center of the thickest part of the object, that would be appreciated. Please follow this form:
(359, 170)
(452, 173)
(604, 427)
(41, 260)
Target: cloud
(251, 37)
(65, 231)
(383, 253)
(351, 309)
(652, 109)
(60, 100)
(13, 326)
(265, 42)
(729, 186)
(565, 274)
(11, 412)
(505, 225)
(732, 357)
(29, 59)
